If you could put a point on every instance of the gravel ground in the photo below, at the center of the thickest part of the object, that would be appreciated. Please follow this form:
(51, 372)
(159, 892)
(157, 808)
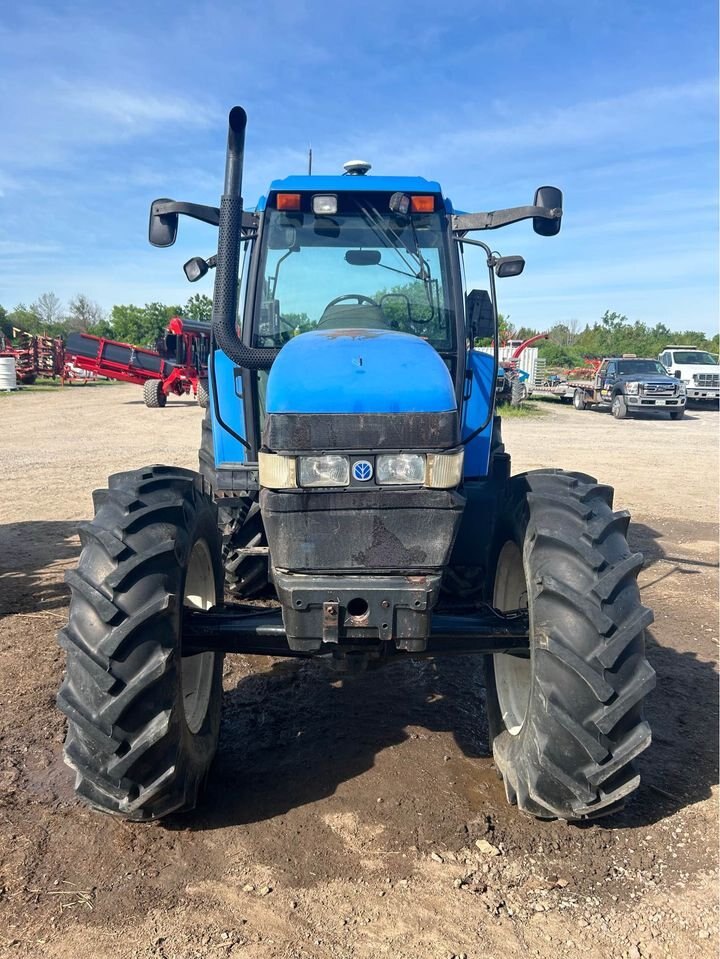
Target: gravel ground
(356, 818)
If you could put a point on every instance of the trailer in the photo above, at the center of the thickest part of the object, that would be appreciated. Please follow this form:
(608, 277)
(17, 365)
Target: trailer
(177, 365)
(516, 382)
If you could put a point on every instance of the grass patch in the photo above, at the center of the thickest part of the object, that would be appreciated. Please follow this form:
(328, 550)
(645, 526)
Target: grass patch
(527, 409)
(46, 385)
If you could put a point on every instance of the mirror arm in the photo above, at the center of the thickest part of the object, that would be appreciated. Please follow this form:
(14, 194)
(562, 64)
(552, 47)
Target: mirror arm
(463, 222)
(207, 214)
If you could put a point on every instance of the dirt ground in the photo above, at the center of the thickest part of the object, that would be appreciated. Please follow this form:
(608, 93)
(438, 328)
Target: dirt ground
(342, 817)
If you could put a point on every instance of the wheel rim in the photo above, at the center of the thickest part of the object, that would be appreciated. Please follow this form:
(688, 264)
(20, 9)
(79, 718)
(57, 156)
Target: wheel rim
(513, 675)
(196, 672)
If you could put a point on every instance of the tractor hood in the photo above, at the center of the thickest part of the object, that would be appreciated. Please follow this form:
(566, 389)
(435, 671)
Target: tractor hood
(359, 371)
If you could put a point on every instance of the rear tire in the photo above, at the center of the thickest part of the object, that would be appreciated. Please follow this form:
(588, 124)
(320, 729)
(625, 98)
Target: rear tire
(153, 394)
(567, 722)
(578, 400)
(143, 720)
(619, 407)
(517, 393)
(203, 397)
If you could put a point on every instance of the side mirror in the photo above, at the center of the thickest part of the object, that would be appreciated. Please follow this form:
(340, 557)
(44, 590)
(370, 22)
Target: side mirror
(509, 265)
(163, 227)
(195, 269)
(550, 198)
(480, 314)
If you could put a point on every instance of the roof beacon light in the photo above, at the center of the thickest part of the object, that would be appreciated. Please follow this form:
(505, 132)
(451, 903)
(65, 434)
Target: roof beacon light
(422, 204)
(324, 204)
(356, 167)
(288, 201)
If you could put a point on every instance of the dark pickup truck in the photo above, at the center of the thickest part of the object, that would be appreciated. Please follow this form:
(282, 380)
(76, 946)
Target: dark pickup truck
(626, 384)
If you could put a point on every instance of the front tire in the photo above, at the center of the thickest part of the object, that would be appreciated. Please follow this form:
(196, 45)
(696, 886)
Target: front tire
(677, 414)
(143, 719)
(566, 722)
(618, 407)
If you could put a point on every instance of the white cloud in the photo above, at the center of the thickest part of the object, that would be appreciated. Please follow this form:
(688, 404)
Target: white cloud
(134, 112)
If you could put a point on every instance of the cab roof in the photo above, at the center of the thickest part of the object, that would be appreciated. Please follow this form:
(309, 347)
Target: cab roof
(354, 184)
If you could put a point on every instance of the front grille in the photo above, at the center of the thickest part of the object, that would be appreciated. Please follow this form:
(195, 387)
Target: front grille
(658, 389)
(708, 380)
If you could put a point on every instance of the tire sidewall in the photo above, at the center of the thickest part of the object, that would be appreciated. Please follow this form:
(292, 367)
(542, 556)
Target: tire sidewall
(198, 748)
(513, 529)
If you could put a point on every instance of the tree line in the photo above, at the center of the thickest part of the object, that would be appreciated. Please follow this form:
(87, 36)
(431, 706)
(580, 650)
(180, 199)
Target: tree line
(139, 325)
(614, 334)
(568, 345)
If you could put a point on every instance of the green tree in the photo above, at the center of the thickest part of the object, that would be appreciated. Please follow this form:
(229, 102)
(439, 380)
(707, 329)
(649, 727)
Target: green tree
(198, 307)
(5, 324)
(25, 319)
(559, 355)
(129, 324)
(141, 325)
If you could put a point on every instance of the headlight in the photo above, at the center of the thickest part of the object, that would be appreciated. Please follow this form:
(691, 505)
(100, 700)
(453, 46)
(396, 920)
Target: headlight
(681, 388)
(276, 471)
(331, 470)
(398, 469)
(632, 387)
(444, 470)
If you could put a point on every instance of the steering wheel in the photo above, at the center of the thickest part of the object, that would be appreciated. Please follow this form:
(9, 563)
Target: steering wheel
(360, 297)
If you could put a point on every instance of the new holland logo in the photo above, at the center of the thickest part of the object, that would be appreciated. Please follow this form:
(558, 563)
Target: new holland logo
(362, 471)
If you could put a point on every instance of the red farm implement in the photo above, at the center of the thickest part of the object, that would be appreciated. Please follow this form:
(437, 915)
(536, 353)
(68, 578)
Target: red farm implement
(34, 356)
(177, 365)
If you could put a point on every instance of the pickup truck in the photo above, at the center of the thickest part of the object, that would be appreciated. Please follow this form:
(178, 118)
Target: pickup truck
(625, 384)
(697, 369)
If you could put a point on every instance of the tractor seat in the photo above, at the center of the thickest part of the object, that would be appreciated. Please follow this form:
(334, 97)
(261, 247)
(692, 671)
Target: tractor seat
(353, 316)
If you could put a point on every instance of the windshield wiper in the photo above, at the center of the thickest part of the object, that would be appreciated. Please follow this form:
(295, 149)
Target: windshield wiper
(376, 224)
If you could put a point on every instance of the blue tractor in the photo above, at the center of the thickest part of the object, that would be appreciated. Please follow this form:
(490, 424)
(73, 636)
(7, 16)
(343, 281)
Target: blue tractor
(352, 468)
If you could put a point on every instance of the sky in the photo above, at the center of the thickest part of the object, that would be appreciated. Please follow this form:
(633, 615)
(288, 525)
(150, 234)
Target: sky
(105, 107)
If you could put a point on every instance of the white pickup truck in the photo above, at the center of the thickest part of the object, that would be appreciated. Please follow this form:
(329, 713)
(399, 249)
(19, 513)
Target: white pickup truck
(698, 370)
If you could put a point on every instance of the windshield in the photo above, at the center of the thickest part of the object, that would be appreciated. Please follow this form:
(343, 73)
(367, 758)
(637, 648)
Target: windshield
(630, 367)
(358, 268)
(696, 357)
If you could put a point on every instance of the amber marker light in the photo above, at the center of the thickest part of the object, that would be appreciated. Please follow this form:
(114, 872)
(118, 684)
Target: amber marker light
(288, 201)
(422, 204)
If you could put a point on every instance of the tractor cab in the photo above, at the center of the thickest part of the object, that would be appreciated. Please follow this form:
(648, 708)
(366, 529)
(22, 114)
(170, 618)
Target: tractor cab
(382, 250)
